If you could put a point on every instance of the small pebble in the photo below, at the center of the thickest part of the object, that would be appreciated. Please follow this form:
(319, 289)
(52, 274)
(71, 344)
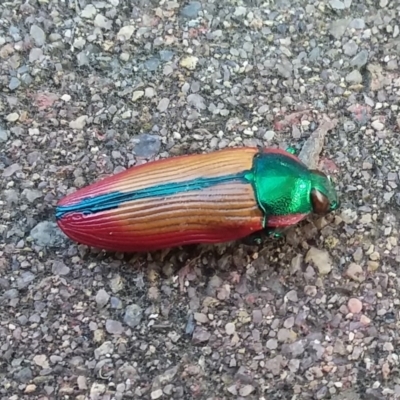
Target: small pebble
(377, 125)
(114, 327)
(38, 35)
(230, 328)
(354, 77)
(354, 305)
(14, 83)
(321, 259)
(102, 298)
(355, 272)
(133, 315)
(59, 268)
(191, 10)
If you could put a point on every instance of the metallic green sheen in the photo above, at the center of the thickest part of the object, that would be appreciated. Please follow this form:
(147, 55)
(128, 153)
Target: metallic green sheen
(283, 185)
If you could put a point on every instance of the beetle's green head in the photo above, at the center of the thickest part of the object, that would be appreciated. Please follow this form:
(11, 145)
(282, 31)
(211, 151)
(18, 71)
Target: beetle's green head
(324, 197)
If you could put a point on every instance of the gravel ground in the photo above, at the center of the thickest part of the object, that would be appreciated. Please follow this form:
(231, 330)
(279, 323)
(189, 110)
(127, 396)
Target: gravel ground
(89, 88)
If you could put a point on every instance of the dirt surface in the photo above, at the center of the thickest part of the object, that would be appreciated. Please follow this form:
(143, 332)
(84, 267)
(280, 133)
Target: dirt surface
(89, 88)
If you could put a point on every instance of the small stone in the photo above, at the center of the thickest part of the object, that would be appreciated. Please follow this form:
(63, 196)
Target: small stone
(191, 10)
(289, 322)
(189, 62)
(83, 58)
(79, 123)
(35, 54)
(354, 305)
(47, 233)
(377, 125)
(79, 43)
(25, 280)
(257, 316)
(232, 390)
(147, 146)
(96, 390)
(14, 83)
(149, 92)
(10, 294)
(102, 298)
(115, 302)
(275, 365)
(200, 335)
(246, 390)
(3, 134)
(38, 35)
(133, 315)
(168, 389)
(201, 318)
(124, 56)
(163, 104)
(41, 360)
(30, 388)
(102, 22)
(240, 11)
(357, 23)
(156, 394)
(285, 335)
(197, 101)
(230, 328)
(350, 48)
(13, 117)
(166, 55)
(354, 77)
(366, 219)
(321, 259)
(269, 135)
(372, 266)
(89, 11)
(365, 320)
(59, 268)
(374, 256)
(272, 344)
(105, 349)
(338, 27)
(358, 255)
(152, 64)
(82, 383)
(126, 32)
(292, 296)
(24, 375)
(116, 283)
(296, 133)
(137, 94)
(360, 59)
(355, 272)
(166, 377)
(114, 327)
(32, 195)
(11, 170)
(336, 4)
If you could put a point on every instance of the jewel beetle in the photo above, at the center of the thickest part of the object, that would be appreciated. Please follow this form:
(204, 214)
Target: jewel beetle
(216, 197)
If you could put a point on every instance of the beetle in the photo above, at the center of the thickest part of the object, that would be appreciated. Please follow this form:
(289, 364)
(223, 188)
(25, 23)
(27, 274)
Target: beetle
(215, 197)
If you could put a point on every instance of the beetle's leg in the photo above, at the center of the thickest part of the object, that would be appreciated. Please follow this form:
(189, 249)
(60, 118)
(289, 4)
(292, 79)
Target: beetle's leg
(275, 233)
(291, 150)
(253, 239)
(257, 238)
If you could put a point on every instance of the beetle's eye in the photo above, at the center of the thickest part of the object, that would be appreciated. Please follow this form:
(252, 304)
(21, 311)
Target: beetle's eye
(320, 202)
